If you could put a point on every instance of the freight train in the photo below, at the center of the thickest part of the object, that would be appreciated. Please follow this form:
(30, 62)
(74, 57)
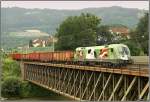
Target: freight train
(113, 55)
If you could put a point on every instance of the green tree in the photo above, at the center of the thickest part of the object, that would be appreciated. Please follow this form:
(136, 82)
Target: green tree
(30, 43)
(31, 90)
(11, 87)
(141, 35)
(104, 36)
(134, 49)
(77, 31)
(10, 68)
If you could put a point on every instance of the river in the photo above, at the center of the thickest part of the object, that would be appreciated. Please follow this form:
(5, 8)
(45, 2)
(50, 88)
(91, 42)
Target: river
(52, 97)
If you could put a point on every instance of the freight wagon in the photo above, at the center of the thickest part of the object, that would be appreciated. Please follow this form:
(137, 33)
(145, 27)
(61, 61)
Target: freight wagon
(107, 55)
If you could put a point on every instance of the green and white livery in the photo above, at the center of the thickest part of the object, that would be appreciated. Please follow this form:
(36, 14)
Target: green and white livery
(114, 53)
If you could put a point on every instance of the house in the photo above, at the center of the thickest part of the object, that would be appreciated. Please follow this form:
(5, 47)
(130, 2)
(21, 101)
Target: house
(120, 30)
(43, 42)
(38, 43)
(2, 50)
(52, 39)
(33, 31)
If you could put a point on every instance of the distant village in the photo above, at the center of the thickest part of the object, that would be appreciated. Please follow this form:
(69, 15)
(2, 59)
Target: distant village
(121, 30)
(49, 40)
(40, 41)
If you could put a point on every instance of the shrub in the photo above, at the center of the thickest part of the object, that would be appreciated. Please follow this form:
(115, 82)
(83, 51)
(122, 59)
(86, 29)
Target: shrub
(10, 68)
(11, 87)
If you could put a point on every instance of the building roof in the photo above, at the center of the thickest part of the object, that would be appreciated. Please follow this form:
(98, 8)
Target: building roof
(119, 30)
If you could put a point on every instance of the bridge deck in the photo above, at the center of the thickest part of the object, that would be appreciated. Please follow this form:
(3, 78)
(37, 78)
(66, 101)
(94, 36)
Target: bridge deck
(138, 71)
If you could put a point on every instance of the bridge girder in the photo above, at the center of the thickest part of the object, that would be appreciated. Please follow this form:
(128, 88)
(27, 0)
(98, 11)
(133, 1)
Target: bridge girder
(86, 84)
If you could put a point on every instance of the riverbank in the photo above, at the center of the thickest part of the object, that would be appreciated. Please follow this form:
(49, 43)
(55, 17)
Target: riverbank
(14, 88)
(52, 97)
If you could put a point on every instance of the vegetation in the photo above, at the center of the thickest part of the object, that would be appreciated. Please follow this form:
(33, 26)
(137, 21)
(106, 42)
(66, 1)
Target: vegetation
(34, 49)
(19, 19)
(140, 35)
(103, 35)
(138, 42)
(10, 68)
(47, 20)
(134, 49)
(82, 30)
(11, 83)
(77, 31)
(13, 86)
(10, 42)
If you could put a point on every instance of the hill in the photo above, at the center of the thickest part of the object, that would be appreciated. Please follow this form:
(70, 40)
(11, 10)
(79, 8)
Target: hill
(16, 39)
(16, 21)
(47, 20)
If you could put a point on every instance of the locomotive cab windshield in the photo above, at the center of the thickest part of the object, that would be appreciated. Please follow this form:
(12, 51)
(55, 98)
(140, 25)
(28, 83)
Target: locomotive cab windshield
(125, 54)
(125, 50)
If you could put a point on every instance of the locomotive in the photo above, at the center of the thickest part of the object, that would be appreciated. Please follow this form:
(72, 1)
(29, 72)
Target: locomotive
(113, 55)
(108, 55)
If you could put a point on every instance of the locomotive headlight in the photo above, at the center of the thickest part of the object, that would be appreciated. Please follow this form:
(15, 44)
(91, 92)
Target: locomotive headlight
(124, 57)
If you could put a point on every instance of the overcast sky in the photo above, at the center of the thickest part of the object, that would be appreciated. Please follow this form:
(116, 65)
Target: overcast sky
(75, 4)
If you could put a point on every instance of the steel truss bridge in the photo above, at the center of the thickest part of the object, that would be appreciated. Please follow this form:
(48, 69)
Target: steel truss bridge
(92, 83)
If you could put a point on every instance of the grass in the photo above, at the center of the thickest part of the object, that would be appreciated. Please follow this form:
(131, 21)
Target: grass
(36, 49)
(11, 40)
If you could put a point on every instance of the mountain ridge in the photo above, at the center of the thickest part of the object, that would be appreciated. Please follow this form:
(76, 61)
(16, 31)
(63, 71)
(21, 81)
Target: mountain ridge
(47, 20)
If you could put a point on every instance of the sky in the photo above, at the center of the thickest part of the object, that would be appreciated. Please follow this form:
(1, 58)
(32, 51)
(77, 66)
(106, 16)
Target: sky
(73, 5)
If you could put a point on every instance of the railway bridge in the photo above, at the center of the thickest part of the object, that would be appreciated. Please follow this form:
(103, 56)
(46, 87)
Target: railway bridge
(92, 83)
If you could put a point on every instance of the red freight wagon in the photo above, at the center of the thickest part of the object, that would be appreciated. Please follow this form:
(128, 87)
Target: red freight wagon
(34, 56)
(69, 55)
(50, 56)
(63, 56)
(46, 56)
(24, 56)
(56, 55)
(12, 56)
(37, 56)
(17, 56)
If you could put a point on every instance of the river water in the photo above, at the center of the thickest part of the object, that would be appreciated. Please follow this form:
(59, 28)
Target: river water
(52, 97)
